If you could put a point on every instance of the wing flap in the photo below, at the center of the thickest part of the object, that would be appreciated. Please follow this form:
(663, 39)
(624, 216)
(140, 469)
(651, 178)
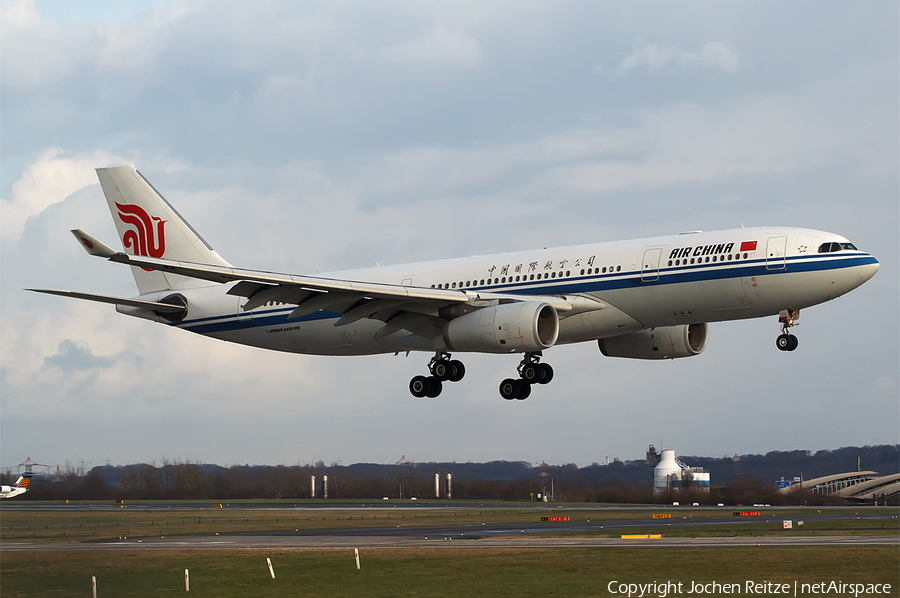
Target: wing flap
(367, 309)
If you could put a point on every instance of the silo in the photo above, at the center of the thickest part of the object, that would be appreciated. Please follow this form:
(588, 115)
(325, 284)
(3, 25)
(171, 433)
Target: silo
(448, 491)
(665, 472)
(437, 485)
(312, 486)
(324, 486)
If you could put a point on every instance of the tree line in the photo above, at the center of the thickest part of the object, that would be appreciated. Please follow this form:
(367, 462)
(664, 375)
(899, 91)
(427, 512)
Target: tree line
(186, 480)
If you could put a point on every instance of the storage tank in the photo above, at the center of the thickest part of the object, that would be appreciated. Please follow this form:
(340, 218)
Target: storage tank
(668, 470)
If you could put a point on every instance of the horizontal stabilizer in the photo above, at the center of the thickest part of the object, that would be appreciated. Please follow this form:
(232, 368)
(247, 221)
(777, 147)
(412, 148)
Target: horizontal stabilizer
(151, 305)
(92, 245)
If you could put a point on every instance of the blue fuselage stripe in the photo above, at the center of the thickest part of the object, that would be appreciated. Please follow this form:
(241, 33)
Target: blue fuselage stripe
(593, 283)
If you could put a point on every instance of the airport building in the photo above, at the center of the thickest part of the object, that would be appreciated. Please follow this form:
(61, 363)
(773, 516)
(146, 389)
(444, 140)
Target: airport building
(671, 473)
(863, 486)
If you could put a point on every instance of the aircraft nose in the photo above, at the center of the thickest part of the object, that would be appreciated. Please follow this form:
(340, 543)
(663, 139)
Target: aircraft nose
(867, 271)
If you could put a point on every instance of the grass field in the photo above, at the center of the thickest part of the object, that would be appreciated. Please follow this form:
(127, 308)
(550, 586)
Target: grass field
(433, 572)
(418, 572)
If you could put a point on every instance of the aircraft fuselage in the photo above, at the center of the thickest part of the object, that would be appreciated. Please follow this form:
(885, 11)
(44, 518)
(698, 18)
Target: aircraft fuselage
(622, 287)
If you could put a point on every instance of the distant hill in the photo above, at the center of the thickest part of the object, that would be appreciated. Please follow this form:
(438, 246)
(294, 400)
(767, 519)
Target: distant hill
(494, 479)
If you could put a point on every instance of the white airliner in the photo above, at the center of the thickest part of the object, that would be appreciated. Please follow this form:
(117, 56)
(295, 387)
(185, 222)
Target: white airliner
(641, 299)
(20, 487)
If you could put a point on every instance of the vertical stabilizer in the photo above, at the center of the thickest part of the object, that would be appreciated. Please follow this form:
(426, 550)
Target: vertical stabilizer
(148, 225)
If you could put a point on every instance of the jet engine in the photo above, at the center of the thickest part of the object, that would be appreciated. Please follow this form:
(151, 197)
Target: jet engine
(658, 343)
(507, 328)
(177, 300)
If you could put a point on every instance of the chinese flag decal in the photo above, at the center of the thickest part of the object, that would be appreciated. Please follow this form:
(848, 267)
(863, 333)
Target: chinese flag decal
(748, 246)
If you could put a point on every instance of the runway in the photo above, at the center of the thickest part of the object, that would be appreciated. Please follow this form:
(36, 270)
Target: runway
(324, 542)
(605, 532)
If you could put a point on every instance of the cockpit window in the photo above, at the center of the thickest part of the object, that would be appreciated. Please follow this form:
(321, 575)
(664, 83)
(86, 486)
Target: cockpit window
(832, 247)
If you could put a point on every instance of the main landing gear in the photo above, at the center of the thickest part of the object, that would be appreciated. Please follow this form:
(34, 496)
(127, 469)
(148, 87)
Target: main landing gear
(443, 369)
(530, 372)
(787, 318)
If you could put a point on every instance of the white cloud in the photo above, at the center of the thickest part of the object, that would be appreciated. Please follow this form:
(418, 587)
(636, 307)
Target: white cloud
(716, 55)
(49, 180)
(439, 48)
(35, 52)
(19, 13)
(136, 43)
(298, 137)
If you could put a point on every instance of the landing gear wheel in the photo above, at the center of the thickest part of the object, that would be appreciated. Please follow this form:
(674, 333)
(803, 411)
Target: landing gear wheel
(523, 390)
(442, 370)
(788, 318)
(532, 373)
(509, 389)
(458, 370)
(546, 373)
(786, 342)
(418, 386)
(434, 388)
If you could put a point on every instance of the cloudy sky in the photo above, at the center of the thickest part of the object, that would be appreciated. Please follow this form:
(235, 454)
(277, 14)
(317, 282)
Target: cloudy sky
(315, 136)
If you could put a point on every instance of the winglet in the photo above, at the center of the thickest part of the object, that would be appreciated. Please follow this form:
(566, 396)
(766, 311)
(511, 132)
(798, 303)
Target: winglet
(92, 245)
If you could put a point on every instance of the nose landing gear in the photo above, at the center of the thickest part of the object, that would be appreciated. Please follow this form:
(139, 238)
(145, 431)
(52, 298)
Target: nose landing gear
(530, 372)
(787, 318)
(443, 369)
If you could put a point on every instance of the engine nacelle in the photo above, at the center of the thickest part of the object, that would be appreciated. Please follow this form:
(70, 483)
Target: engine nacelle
(508, 328)
(658, 343)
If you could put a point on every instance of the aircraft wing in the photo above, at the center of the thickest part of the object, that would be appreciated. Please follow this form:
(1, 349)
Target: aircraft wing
(354, 299)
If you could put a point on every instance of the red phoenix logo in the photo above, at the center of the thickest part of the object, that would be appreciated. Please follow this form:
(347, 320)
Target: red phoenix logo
(143, 239)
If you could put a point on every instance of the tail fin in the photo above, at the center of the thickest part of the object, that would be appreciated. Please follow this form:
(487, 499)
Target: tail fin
(24, 480)
(148, 225)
